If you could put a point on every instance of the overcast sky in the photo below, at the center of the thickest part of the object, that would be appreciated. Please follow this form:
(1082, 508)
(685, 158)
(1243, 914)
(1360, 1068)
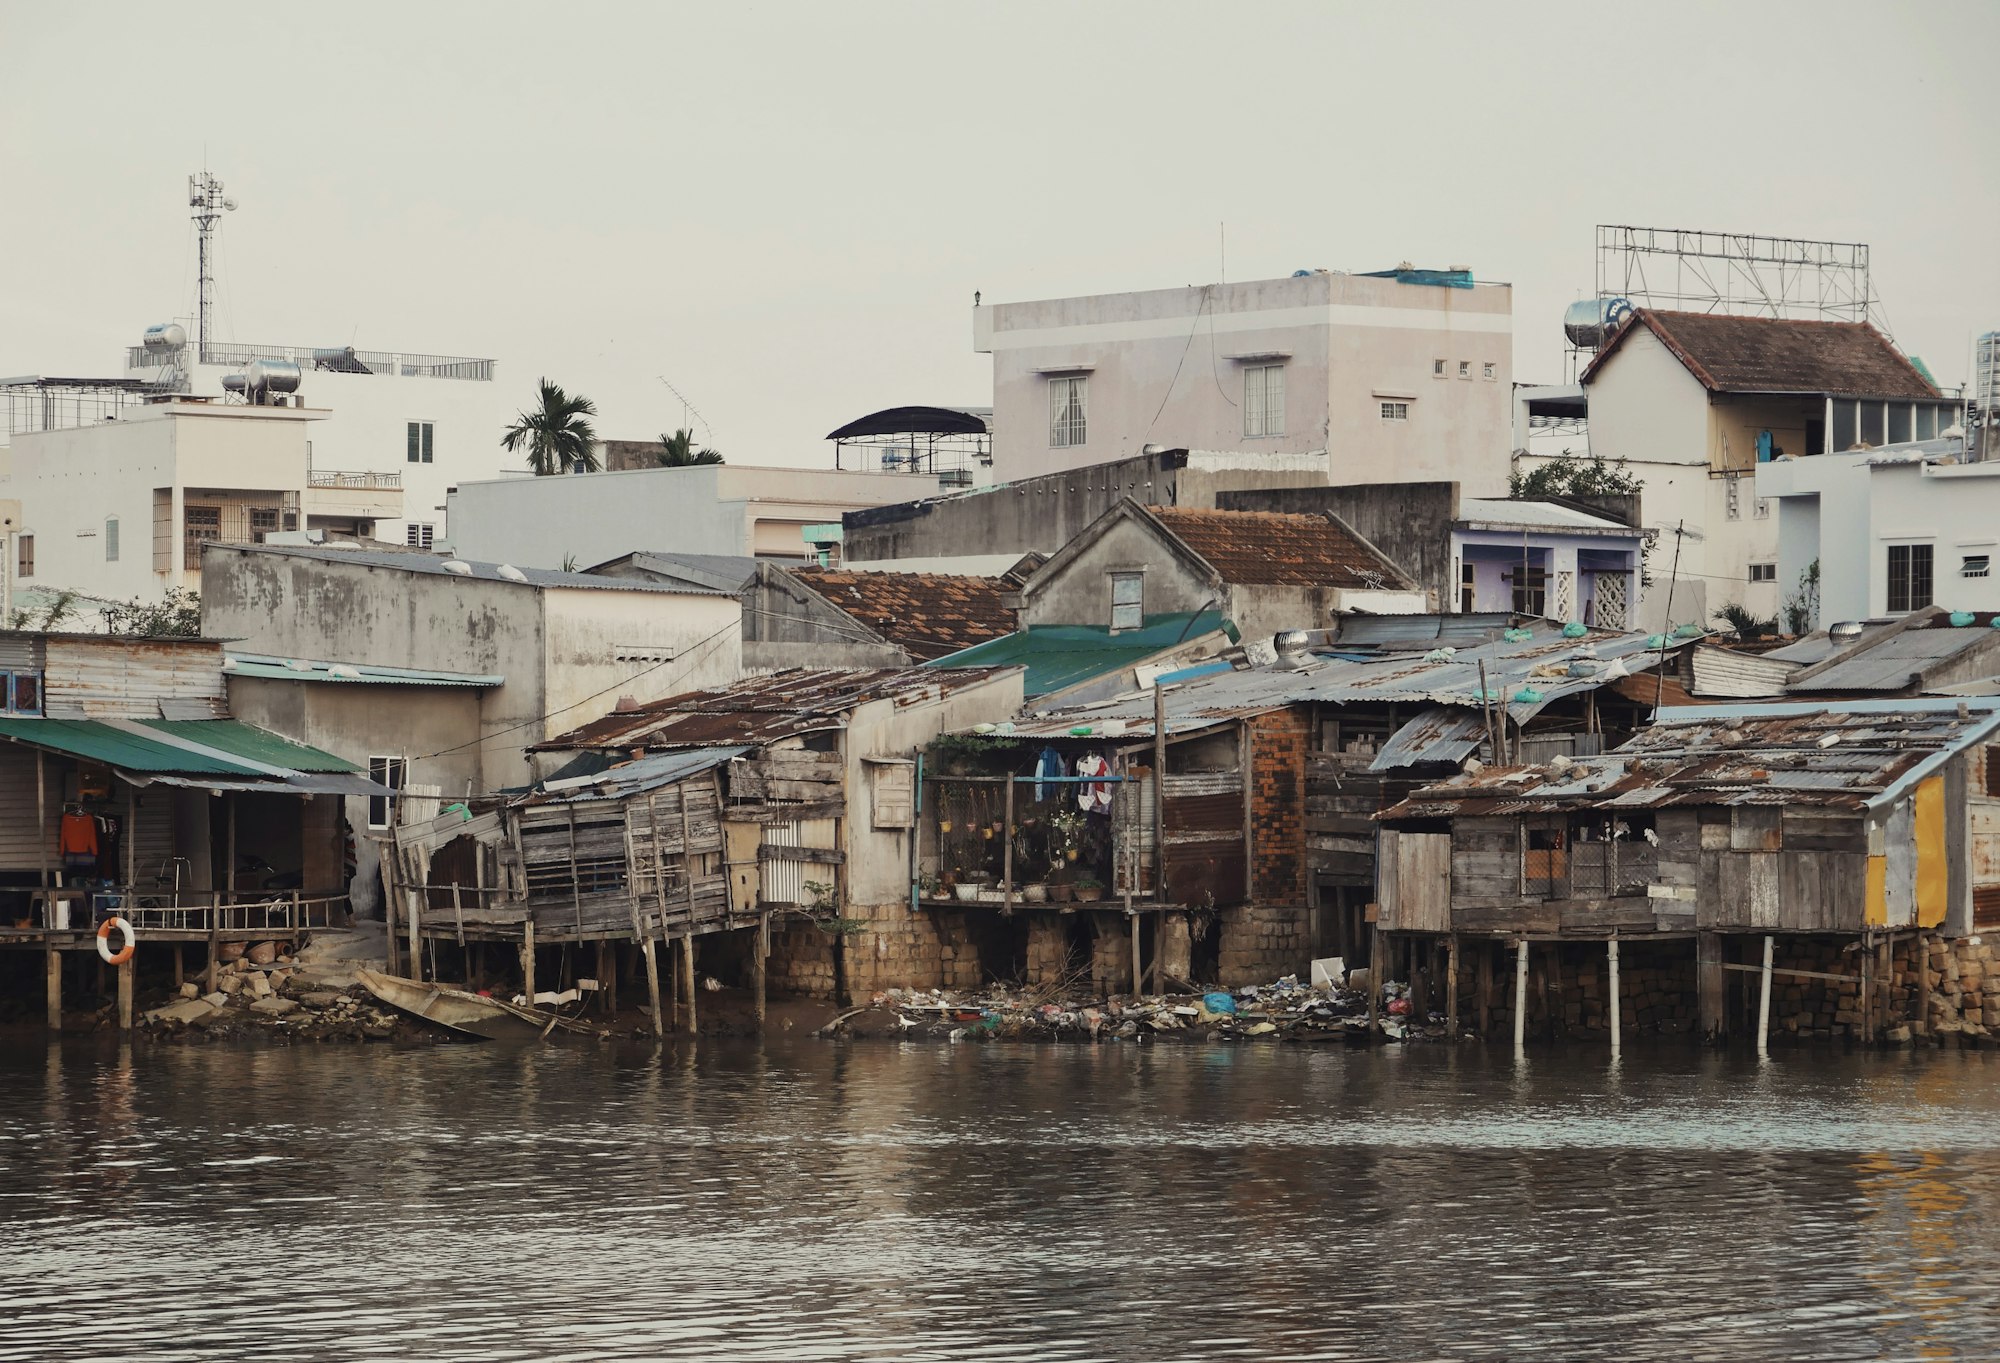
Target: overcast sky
(785, 209)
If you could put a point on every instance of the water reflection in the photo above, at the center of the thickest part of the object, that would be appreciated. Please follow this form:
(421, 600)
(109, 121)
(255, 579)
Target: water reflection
(831, 1202)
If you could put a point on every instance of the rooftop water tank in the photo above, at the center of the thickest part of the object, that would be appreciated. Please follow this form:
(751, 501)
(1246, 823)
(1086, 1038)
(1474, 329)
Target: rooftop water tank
(1589, 322)
(269, 377)
(164, 336)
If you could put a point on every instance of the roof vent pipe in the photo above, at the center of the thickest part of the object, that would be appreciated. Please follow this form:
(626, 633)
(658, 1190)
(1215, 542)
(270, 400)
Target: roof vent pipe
(626, 704)
(1844, 634)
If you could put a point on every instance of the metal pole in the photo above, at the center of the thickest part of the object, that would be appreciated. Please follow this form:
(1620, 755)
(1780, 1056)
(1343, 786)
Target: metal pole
(1160, 802)
(1612, 956)
(1521, 992)
(1764, 999)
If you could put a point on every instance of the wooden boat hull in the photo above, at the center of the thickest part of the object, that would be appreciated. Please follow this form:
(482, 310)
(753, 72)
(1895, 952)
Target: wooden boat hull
(472, 1014)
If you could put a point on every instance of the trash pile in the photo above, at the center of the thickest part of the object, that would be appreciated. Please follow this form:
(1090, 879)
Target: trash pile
(1332, 1009)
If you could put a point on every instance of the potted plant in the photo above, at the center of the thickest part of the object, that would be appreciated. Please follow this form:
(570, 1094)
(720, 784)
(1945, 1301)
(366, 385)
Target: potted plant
(1089, 889)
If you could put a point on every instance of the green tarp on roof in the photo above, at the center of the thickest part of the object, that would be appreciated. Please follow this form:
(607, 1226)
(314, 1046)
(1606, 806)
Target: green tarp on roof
(1059, 656)
(232, 748)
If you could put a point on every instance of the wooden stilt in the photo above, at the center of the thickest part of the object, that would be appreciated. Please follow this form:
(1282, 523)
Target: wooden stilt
(1708, 984)
(125, 974)
(653, 984)
(607, 979)
(1375, 963)
(54, 966)
(180, 966)
(1764, 998)
(1451, 987)
(1483, 988)
(1521, 993)
(1617, 1023)
(687, 980)
(1137, 978)
(214, 942)
(1885, 981)
(760, 948)
(528, 961)
(1867, 1000)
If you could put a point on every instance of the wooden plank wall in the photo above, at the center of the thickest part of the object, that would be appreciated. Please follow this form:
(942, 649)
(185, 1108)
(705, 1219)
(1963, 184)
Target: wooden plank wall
(1342, 795)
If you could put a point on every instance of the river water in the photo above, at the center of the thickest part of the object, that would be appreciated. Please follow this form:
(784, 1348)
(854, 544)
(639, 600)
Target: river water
(831, 1201)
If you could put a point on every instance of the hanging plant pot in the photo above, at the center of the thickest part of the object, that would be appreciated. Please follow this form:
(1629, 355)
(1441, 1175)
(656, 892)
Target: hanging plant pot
(1071, 854)
(944, 825)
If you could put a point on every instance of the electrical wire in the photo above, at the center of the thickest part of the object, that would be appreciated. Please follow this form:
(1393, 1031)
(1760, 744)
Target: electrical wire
(1183, 360)
(538, 719)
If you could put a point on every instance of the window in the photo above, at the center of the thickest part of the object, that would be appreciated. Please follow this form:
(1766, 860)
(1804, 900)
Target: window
(420, 442)
(1909, 577)
(1976, 565)
(1763, 572)
(263, 520)
(1066, 411)
(1437, 369)
(110, 539)
(26, 566)
(1846, 428)
(419, 534)
(203, 523)
(1763, 508)
(1530, 589)
(1465, 369)
(21, 692)
(1899, 423)
(392, 772)
(1468, 582)
(1492, 371)
(1128, 600)
(1395, 411)
(1264, 399)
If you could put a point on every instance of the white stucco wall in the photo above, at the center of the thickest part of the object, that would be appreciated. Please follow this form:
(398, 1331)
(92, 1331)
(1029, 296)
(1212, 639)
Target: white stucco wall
(709, 509)
(69, 482)
(1166, 366)
(1846, 512)
(602, 645)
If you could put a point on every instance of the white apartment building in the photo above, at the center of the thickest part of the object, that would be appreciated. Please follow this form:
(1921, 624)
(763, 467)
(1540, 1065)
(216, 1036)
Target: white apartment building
(395, 419)
(1396, 376)
(1891, 530)
(122, 508)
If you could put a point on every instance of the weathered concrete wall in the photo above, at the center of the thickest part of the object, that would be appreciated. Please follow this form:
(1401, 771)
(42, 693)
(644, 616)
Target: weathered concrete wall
(1044, 513)
(1079, 592)
(1409, 522)
(763, 656)
(604, 644)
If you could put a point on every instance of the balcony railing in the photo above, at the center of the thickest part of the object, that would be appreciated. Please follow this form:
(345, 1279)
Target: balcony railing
(331, 359)
(378, 482)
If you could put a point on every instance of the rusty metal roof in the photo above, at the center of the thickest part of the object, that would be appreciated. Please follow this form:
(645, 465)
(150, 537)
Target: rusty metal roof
(1861, 755)
(759, 710)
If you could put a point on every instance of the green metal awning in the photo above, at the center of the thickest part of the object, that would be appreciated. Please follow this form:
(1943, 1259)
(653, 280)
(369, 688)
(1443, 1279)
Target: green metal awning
(1060, 656)
(167, 747)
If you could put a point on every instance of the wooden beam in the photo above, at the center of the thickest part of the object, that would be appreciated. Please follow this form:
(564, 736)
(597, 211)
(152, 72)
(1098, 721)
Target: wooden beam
(687, 980)
(54, 967)
(760, 948)
(125, 974)
(1451, 987)
(528, 962)
(1797, 974)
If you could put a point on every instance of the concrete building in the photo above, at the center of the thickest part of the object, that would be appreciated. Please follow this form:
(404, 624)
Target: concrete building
(727, 509)
(122, 508)
(1386, 377)
(565, 648)
(1695, 404)
(1885, 531)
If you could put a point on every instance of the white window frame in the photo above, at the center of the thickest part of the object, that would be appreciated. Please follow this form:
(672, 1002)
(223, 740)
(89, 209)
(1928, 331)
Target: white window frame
(1491, 372)
(1263, 400)
(1465, 369)
(1762, 572)
(424, 434)
(419, 534)
(393, 772)
(1395, 410)
(1438, 369)
(1128, 614)
(1975, 565)
(1069, 411)
(110, 539)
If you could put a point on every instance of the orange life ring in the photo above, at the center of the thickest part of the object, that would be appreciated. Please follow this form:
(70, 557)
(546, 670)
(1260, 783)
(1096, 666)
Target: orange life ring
(104, 941)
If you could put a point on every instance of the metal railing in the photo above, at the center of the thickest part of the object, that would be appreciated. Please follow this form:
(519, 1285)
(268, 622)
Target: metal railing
(399, 364)
(384, 482)
(280, 912)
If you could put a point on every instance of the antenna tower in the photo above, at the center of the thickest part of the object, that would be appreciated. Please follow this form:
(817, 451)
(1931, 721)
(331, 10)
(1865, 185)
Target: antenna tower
(206, 198)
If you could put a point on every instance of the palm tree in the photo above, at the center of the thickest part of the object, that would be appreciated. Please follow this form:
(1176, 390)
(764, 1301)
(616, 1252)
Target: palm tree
(678, 451)
(557, 434)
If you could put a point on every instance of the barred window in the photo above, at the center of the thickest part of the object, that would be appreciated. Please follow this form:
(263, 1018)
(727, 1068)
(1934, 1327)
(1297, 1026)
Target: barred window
(1264, 399)
(1066, 411)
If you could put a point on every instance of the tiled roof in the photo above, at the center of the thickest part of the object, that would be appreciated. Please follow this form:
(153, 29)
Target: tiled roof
(1729, 354)
(1276, 548)
(929, 614)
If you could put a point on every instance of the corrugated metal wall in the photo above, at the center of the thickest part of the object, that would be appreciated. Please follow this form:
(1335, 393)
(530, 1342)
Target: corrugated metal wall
(785, 881)
(127, 679)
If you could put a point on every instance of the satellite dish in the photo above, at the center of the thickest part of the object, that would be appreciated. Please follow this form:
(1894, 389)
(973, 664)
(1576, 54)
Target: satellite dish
(229, 205)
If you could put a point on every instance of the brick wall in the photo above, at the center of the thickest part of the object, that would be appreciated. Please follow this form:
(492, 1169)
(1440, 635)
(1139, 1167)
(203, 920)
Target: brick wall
(895, 948)
(1260, 942)
(1278, 807)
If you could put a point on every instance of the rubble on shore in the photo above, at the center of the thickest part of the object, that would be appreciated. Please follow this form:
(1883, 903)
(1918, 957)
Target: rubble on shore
(264, 992)
(1283, 1010)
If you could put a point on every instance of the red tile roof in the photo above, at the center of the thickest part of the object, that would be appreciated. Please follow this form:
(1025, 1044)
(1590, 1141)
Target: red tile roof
(1729, 354)
(1276, 548)
(929, 614)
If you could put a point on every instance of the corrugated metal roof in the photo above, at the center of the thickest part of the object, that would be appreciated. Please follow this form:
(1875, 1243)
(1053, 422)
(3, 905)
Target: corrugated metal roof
(1061, 656)
(1853, 758)
(274, 668)
(1436, 735)
(1462, 630)
(759, 710)
(1726, 673)
(1526, 676)
(1893, 661)
(638, 776)
(1536, 515)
